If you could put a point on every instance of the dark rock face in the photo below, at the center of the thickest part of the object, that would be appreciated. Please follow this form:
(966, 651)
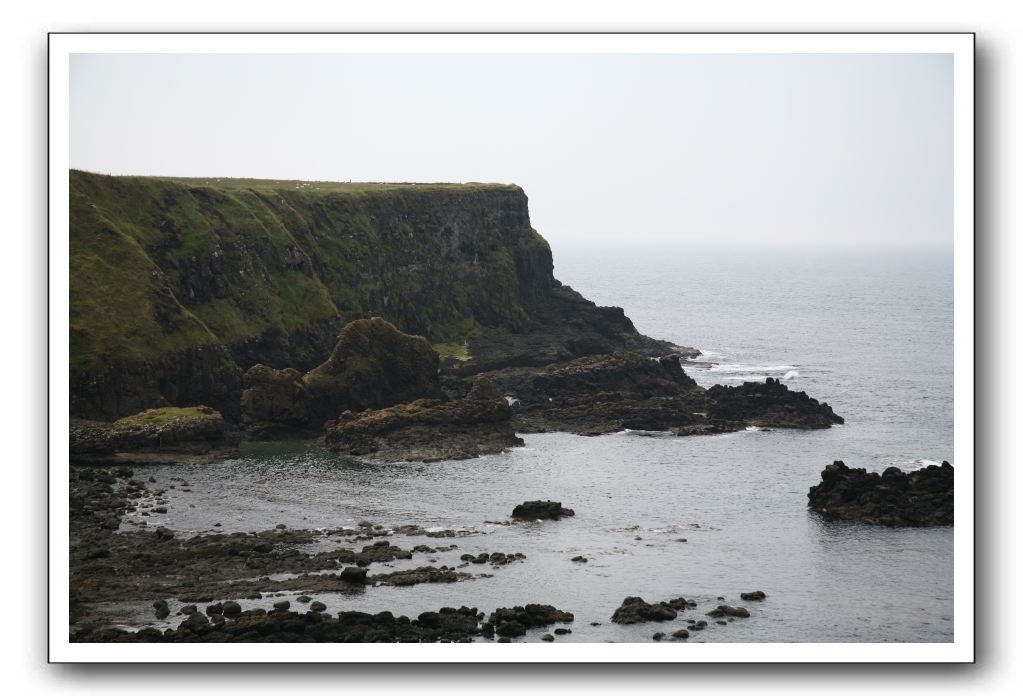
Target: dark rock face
(429, 429)
(273, 403)
(922, 498)
(634, 610)
(770, 404)
(541, 510)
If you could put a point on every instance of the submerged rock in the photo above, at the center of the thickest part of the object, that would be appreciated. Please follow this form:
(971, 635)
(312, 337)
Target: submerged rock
(922, 498)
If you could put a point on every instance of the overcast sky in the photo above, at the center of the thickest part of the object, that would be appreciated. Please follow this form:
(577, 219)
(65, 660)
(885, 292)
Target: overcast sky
(713, 150)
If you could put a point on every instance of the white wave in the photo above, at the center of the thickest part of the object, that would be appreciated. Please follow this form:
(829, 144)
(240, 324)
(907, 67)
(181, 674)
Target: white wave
(740, 368)
(791, 374)
(511, 400)
(753, 429)
(908, 463)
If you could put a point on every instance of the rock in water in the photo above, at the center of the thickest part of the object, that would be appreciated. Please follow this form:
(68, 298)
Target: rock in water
(429, 429)
(354, 575)
(541, 510)
(634, 610)
(769, 404)
(756, 595)
(192, 429)
(922, 498)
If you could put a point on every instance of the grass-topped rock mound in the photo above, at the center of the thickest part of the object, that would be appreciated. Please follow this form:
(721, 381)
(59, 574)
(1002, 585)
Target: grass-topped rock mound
(372, 365)
(195, 429)
(429, 429)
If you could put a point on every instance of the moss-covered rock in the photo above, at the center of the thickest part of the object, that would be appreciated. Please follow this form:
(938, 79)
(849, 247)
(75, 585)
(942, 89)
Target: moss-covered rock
(195, 428)
(273, 403)
(373, 365)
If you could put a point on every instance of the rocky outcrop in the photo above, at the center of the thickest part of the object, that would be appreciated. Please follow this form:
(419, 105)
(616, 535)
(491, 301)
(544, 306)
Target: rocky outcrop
(197, 429)
(372, 365)
(628, 390)
(512, 622)
(541, 510)
(635, 610)
(273, 404)
(429, 429)
(921, 498)
(769, 404)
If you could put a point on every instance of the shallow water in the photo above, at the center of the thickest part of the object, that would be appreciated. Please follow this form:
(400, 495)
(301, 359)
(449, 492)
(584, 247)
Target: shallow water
(870, 335)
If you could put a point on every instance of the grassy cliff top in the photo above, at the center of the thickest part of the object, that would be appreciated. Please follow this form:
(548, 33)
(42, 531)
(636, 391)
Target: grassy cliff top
(227, 183)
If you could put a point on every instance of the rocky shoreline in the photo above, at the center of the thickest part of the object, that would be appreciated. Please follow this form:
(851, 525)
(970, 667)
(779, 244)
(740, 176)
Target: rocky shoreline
(226, 572)
(382, 394)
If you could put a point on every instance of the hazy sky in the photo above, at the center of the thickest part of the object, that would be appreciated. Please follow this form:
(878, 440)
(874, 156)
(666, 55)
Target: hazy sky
(715, 150)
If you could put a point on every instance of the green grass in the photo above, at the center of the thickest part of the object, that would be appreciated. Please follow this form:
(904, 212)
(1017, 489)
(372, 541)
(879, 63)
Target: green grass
(458, 351)
(162, 264)
(228, 183)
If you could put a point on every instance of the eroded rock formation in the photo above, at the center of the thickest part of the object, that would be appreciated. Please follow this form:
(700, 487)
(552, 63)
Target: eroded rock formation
(921, 498)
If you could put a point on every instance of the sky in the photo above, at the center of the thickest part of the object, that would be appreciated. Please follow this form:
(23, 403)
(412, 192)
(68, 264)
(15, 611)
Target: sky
(730, 151)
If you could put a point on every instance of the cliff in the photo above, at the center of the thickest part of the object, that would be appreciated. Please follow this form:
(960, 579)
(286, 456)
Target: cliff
(180, 285)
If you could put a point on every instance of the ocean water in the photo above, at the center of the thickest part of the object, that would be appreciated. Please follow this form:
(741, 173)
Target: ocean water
(659, 516)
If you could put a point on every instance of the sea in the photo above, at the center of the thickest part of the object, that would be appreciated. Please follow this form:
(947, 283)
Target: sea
(658, 516)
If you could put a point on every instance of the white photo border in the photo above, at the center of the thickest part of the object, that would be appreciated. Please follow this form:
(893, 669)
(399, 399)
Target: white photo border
(960, 45)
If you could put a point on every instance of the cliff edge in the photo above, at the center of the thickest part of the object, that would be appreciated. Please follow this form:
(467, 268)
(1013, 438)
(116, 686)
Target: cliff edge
(178, 286)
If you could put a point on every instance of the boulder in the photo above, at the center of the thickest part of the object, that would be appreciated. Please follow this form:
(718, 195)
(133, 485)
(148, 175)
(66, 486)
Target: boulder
(634, 610)
(541, 510)
(726, 610)
(354, 575)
